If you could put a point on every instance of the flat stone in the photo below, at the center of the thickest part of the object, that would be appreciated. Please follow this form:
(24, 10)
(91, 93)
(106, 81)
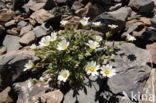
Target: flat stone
(41, 16)
(27, 38)
(152, 49)
(6, 16)
(149, 91)
(132, 70)
(11, 43)
(77, 5)
(39, 31)
(10, 23)
(142, 6)
(26, 29)
(22, 23)
(12, 66)
(4, 96)
(33, 92)
(121, 14)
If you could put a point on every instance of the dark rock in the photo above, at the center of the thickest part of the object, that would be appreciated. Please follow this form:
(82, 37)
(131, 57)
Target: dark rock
(27, 38)
(4, 96)
(17, 4)
(142, 6)
(121, 14)
(11, 43)
(104, 3)
(12, 66)
(2, 29)
(152, 49)
(41, 16)
(40, 31)
(107, 19)
(149, 35)
(77, 5)
(22, 23)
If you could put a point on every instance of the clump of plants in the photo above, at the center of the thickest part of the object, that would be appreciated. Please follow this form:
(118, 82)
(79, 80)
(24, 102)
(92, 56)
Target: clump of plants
(73, 55)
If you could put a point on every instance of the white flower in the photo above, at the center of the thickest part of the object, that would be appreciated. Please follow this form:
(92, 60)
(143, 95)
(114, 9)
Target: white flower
(63, 75)
(98, 38)
(96, 24)
(93, 44)
(53, 36)
(63, 45)
(33, 46)
(28, 65)
(64, 22)
(92, 68)
(45, 41)
(108, 71)
(84, 21)
(130, 37)
(112, 26)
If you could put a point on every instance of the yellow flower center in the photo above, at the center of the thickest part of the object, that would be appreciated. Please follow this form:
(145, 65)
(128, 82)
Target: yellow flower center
(46, 43)
(93, 46)
(64, 47)
(107, 72)
(31, 65)
(92, 69)
(64, 75)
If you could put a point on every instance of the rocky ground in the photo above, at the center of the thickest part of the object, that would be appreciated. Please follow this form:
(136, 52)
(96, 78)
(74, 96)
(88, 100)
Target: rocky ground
(24, 22)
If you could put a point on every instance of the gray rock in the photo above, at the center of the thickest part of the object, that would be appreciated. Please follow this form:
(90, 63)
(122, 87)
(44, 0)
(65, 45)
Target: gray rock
(132, 73)
(27, 38)
(153, 20)
(77, 5)
(33, 92)
(11, 43)
(22, 23)
(150, 89)
(12, 66)
(40, 31)
(132, 70)
(121, 14)
(142, 6)
(61, 1)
